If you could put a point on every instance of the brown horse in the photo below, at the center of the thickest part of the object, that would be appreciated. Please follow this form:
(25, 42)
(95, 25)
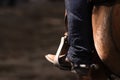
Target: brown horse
(106, 32)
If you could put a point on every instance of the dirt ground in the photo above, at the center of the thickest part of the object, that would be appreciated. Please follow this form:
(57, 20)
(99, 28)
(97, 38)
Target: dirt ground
(27, 33)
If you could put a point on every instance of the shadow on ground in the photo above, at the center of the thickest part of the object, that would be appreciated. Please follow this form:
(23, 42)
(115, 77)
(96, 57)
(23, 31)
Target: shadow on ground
(27, 33)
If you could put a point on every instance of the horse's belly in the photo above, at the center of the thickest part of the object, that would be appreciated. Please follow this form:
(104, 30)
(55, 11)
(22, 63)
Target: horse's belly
(106, 30)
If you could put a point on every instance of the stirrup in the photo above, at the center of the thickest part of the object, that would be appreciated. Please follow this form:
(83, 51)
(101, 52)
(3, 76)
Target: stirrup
(62, 50)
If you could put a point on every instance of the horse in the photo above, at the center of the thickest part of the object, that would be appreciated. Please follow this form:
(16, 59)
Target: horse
(106, 34)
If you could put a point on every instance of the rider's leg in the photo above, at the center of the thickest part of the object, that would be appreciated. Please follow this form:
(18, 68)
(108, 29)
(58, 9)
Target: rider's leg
(79, 31)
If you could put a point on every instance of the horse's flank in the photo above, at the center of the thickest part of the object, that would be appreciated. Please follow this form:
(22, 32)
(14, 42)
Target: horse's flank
(106, 26)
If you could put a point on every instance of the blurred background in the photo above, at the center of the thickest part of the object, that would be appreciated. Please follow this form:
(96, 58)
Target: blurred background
(30, 29)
